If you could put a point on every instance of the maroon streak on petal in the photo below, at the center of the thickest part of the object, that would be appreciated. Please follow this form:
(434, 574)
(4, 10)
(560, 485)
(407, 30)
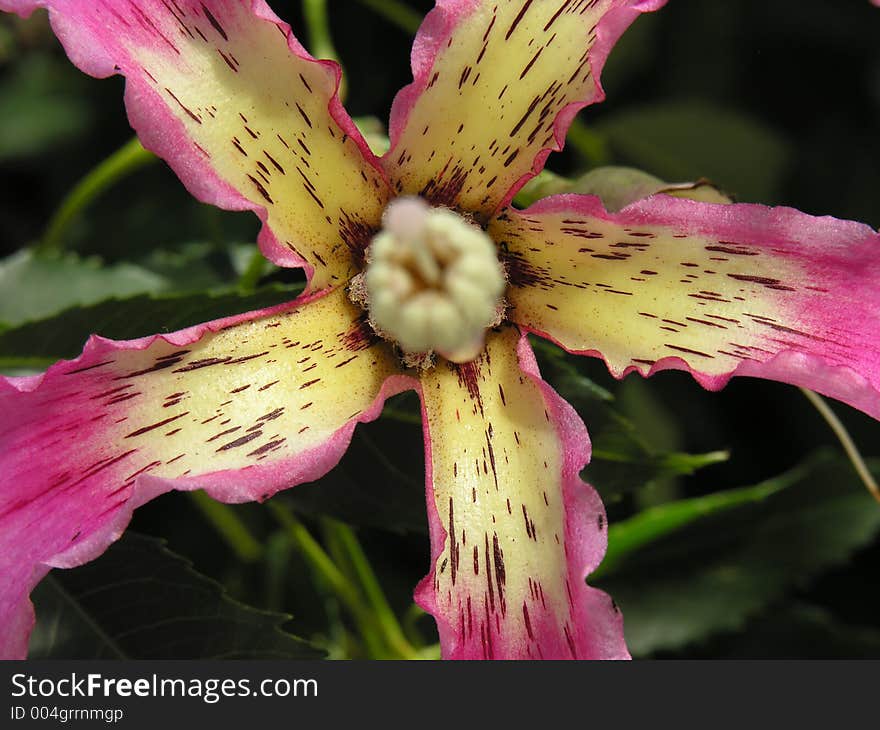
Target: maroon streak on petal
(224, 92)
(718, 290)
(94, 438)
(496, 85)
(514, 531)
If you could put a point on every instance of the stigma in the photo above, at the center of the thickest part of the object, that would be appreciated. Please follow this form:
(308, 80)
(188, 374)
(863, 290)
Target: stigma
(433, 282)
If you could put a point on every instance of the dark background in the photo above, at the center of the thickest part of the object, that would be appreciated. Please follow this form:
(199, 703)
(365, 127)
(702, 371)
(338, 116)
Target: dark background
(777, 101)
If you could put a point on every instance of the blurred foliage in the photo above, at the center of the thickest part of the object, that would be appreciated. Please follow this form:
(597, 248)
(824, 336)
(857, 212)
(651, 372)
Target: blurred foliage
(772, 105)
(33, 287)
(161, 610)
(63, 335)
(39, 111)
(680, 141)
(689, 569)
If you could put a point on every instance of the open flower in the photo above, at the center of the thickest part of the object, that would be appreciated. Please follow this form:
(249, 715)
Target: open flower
(421, 276)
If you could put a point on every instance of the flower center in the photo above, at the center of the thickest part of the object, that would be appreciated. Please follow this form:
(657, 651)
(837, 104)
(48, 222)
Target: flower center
(433, 282)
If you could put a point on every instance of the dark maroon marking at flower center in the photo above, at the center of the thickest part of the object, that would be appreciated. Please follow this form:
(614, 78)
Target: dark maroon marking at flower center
(356, 235)
(522, 273)
(469, 377)
(360, 336)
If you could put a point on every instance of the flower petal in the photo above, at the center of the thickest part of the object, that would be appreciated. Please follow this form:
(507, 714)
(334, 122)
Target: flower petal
(718, 290)
(241, 407)
(495, 87)
(514, 531)
(223, 91)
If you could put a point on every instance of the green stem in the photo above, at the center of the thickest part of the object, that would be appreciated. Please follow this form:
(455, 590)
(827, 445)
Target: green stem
(128, 158)
(277, 555)
(320, 39)
(367, 624)
(397, 12)
(846, 441)
(391, 630)
(318, 27)
(341, 638)
(230, 526)
(315, 555)
(330, 575)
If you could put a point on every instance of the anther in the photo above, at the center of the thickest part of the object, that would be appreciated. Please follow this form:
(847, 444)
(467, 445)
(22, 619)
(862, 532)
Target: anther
(433, 282)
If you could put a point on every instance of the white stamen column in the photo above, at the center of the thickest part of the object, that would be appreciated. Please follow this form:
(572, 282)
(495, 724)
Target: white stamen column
(433, 282)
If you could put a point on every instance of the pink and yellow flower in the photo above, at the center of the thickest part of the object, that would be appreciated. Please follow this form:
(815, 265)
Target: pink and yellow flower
(250, 405)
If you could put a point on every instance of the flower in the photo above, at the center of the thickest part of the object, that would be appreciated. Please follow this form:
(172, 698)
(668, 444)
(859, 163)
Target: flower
(249, 405)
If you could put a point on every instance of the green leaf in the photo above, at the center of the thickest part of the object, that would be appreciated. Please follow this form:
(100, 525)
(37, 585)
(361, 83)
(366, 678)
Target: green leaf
(201, 265)
(689, 570)
(36, 286)
(651, 524)
(623, 460)
(545, 183)
(63, 335)
(680, 141)
(141, 601)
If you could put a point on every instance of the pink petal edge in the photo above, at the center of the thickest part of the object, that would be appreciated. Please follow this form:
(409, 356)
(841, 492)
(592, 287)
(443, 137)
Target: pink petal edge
(447, 14)
(598, 620)
(776, 227)
(161, 133)
(257, 482)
